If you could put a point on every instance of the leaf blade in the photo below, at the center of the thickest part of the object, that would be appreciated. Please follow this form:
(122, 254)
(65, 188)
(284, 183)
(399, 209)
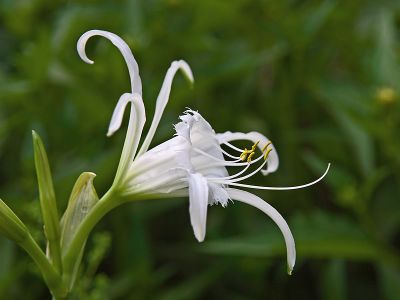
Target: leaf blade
(48, 202)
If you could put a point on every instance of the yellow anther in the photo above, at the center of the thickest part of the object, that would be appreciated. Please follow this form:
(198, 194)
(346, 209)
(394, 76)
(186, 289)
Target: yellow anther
(243, 156)
(253, 148)
(250, 156)
(266, 146)
(266, 153)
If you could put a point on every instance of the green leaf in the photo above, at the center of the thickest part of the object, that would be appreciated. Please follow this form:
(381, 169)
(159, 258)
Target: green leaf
(48, 202)
(384, 60)
(8, 270)
(83, 198)
(10, 225)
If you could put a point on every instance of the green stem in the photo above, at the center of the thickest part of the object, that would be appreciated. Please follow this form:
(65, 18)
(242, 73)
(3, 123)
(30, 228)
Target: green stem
(50, 275)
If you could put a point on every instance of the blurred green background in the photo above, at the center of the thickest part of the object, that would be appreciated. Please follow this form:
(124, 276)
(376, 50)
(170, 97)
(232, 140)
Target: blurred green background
(320, 78)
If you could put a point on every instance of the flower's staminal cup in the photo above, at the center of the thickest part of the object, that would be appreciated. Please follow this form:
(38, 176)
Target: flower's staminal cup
(194, 162)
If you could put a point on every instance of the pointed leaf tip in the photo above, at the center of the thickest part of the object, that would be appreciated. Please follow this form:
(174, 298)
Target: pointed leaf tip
(47, 198)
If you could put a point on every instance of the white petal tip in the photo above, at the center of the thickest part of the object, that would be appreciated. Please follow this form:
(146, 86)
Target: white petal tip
(199, 235)
(291, 262)
(200, 239)
(111, 131)
(83, 56)
(187, 71)
(80, 47)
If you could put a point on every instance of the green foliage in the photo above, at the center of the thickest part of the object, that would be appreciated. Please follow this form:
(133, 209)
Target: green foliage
(48, 203)
(10, 225)
(321, 79)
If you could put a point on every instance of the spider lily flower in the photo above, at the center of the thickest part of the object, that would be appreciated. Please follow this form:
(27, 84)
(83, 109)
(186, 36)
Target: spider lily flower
(195, 161)
(194, 164)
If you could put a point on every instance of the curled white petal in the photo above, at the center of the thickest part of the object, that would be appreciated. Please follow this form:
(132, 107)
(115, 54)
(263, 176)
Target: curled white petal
(163, 98)
(257, 202)
(133, 68)
(273, 159)
(198, 201)
(118, 113)
(137, 119)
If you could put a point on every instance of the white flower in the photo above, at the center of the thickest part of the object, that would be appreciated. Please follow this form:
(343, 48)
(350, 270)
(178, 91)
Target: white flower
(194, 162)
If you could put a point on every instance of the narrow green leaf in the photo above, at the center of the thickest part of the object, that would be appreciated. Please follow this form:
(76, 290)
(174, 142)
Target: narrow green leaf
(384, 60)
(48, 202)
(83, 198)
(10, 225)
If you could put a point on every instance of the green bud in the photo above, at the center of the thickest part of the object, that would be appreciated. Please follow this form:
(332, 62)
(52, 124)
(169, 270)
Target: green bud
(10, 225)
(83, 198)
(48, 202)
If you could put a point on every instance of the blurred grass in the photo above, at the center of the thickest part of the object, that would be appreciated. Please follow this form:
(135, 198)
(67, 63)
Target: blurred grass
(308, 74)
